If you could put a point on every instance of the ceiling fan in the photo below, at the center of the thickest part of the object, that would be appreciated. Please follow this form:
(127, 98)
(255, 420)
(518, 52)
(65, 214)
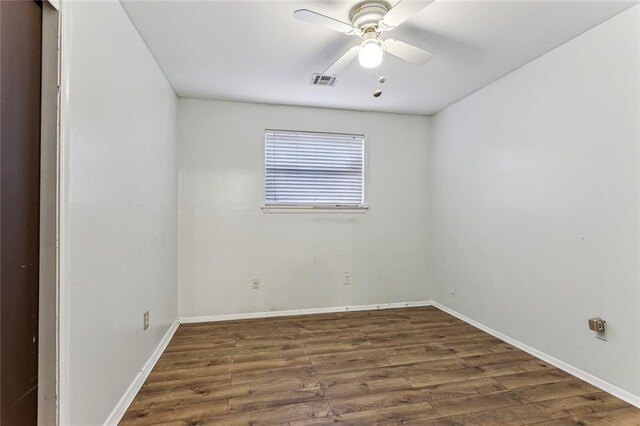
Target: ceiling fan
(369, 19)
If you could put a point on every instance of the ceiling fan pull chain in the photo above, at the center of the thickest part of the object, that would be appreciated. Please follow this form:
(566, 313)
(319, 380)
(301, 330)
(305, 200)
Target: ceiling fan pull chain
(377, 92)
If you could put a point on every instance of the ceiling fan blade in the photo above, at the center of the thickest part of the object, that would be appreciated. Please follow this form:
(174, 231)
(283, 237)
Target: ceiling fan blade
(402, 11)
(324, 21)
(407, 52)
(344, 60)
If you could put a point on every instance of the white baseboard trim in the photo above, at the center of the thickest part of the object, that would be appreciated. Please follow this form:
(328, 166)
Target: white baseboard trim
(310, 311)
(583, 375)
(126, 400)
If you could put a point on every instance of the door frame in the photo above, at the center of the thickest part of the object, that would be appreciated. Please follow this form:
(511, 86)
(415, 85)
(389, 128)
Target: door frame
(49, 282)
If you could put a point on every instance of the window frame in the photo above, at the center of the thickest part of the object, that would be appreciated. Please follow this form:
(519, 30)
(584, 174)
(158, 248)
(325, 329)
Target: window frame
(314, 208)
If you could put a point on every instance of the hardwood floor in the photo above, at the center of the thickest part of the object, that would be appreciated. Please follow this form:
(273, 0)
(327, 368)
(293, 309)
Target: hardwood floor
(398, 366)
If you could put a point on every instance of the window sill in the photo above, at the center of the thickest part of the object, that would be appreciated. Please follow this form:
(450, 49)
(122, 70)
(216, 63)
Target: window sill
(314, 209)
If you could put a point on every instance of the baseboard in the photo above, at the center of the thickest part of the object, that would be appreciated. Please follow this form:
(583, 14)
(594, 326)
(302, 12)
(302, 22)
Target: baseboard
(583, 375)
(126, 400)
(310, 311)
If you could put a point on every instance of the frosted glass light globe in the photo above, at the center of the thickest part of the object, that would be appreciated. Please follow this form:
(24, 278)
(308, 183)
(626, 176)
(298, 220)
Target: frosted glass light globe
(370, 55)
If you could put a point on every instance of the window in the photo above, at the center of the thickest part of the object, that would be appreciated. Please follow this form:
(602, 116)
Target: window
(321, 170)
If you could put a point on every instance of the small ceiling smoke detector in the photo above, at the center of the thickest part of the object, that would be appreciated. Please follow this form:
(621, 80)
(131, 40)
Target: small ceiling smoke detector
(324, 80)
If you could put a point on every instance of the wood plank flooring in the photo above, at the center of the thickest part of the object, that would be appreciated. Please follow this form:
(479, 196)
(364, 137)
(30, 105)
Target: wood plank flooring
(398, 366)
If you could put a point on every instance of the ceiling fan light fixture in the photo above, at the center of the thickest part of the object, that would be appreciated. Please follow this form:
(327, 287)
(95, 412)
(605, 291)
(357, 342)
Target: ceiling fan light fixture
(370, 54)
(368, 19)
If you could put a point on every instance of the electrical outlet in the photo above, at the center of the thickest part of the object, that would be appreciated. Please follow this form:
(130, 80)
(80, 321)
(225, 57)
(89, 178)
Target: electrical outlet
(146, 320)
(452, 288)
(598, 325)
(255, 283)
(347, 278)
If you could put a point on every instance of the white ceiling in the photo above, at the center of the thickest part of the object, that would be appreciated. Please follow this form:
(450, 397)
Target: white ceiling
(256, 51)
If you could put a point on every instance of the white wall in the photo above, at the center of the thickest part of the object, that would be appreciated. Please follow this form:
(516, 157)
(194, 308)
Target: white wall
(119, 208)
(225, 239)
(534, 202)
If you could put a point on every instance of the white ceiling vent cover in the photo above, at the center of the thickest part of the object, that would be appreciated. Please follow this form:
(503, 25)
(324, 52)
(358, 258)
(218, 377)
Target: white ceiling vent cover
(324, 80)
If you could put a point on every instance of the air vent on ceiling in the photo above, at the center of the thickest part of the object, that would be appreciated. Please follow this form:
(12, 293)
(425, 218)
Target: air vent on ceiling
(324, 80)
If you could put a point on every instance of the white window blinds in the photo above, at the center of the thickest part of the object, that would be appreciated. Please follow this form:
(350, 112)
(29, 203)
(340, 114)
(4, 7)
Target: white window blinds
(313, 169)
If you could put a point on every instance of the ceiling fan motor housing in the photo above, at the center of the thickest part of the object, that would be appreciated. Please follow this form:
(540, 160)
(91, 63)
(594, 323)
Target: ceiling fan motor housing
(368, 13)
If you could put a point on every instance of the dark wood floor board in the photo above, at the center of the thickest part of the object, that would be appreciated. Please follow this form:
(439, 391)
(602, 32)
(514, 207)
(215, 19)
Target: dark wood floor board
(323, 359)
(273, 415)
(167, 385)
(580, 405)
(338, 346)
(397, 366)
(202, 392)
(473, 403)
(460, 389)
(431, 378)
(351, 365)
(265, 346)
(498, 358)
(265, 342)
(443, 364)
(475, 346)
(557, 390)
(210, 344)
(188, 373)
(196, 354)
(175, 364)
(328, 336)
(620, 417)
(408, 414)
(275, 398)
(273, 374)
(511, 368)
(515, 415)
(532, 378)
(175, 411)
(258, 356)
(360, 376)
(265, 364)
(341, 389)
(376, 400)
(412, 355)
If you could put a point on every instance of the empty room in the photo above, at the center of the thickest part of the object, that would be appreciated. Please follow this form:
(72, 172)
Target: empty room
(315, 212)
